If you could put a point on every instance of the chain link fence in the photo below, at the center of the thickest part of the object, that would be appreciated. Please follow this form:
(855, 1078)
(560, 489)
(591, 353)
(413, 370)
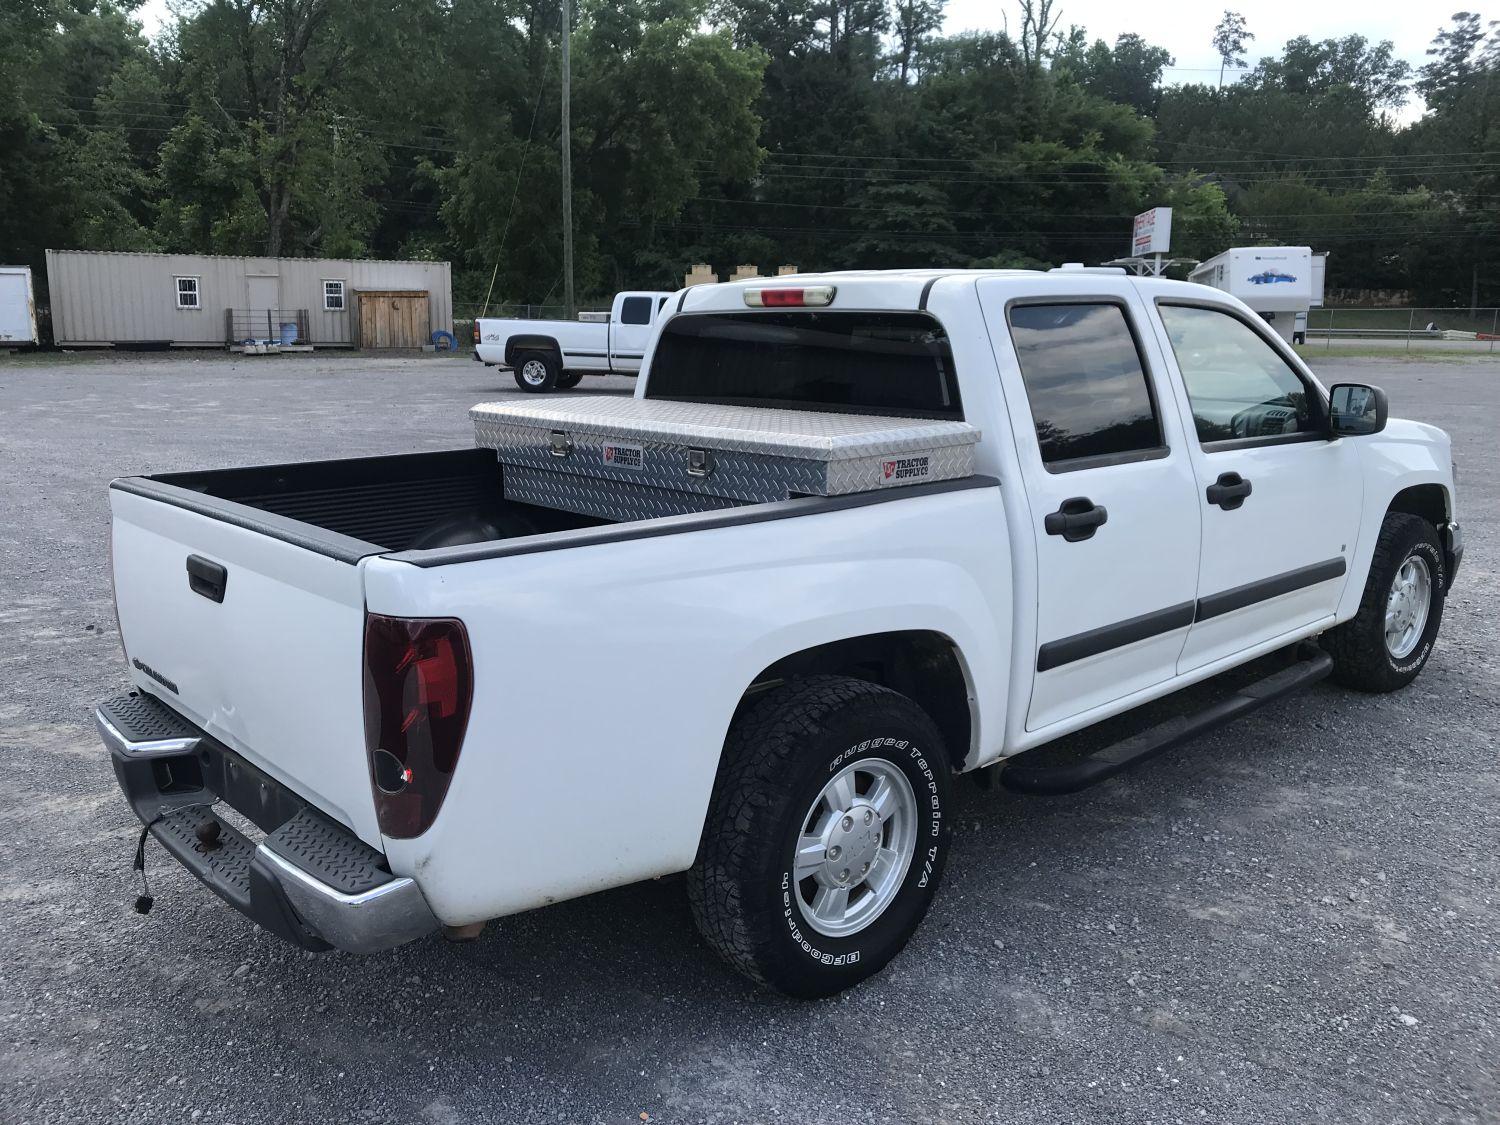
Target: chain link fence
(1404, 329)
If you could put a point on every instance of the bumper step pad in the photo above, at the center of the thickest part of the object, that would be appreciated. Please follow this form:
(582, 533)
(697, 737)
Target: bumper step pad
(148, 725)
(329, 853)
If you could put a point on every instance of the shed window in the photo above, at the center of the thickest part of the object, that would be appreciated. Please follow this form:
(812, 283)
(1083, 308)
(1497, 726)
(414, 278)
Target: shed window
(187, 293)
(333, 295)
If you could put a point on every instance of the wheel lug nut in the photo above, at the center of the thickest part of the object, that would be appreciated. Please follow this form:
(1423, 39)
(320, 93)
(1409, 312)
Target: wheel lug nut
(844, 875)
(848, 823)
(869, 816)
(834, 852)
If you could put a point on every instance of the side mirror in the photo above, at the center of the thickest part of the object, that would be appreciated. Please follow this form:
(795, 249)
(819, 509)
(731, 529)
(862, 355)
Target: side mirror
(1356, 409)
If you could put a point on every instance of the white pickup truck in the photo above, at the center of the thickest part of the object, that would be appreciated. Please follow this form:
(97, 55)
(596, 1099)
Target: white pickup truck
(376, 661)
(549, 355)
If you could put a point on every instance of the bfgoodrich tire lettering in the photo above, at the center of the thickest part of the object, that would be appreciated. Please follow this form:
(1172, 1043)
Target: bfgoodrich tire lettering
(1362, 659)
(780, 754)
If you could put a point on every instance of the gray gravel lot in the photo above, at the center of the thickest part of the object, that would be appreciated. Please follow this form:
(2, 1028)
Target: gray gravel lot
(1293, 920)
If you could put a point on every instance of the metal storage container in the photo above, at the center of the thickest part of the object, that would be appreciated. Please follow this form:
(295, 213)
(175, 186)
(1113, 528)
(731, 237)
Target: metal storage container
(631, 459)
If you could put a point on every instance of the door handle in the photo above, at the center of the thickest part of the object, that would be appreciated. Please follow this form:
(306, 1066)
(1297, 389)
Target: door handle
(207, 578)
(1229, 491)
(1076, 519)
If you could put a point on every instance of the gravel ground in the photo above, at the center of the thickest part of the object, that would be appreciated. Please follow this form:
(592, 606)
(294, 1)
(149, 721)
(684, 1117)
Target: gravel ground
(1294, 919)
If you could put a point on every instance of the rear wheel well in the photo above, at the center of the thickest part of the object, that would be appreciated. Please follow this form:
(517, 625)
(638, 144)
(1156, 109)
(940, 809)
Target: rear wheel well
(518, 344)
(1425, 500)
(923, 666)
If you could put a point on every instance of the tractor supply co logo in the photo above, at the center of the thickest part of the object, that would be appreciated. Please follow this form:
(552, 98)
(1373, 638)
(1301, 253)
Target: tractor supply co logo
(625, 456)
(904, 469)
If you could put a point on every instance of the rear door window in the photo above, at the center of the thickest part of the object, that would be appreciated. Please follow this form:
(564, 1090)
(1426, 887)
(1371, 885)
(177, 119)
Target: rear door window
(892, 363)
(1086, 383)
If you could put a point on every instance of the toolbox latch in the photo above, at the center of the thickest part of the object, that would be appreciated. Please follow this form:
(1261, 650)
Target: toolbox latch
(699, 463)
(560, 444)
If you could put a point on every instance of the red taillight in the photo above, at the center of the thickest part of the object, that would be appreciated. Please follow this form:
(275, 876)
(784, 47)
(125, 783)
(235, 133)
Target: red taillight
(476, 331)
(419, 683)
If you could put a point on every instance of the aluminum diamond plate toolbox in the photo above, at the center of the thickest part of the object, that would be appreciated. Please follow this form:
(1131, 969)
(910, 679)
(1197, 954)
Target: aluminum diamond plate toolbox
(629, 458)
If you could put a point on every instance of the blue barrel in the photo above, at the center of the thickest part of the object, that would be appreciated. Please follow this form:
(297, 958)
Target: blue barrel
(288, 332)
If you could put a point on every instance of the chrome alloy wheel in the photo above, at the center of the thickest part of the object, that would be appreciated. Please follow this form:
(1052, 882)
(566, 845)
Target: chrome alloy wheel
(856, 843)
(534, 372)
(1407, 607)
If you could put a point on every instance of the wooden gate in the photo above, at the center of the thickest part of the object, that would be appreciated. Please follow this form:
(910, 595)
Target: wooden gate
(393, 318)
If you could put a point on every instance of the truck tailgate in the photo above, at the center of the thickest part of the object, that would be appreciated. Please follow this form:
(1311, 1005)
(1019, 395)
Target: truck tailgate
(274, 669)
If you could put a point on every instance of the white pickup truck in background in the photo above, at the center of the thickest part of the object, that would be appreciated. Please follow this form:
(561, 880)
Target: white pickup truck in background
(376, 661)
(549, 355)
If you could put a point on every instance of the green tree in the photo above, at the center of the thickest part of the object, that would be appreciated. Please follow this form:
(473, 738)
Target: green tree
(1129, 73)
(1230, 37)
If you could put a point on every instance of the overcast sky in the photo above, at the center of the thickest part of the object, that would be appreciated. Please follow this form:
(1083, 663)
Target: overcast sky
(1186, 28)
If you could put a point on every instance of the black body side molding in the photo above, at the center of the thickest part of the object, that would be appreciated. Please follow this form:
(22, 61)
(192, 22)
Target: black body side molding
(1095, 641)
(1065, 650)
(1251, 592)
(1312, 665)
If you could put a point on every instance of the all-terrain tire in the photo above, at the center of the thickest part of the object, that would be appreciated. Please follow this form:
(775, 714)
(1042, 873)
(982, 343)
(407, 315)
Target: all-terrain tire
(782, 751)
(1362, 659)
(537, 372)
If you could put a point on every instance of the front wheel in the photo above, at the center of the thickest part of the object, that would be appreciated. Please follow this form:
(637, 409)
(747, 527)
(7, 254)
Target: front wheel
(826, 837)
(1387, 643)
(537, 372)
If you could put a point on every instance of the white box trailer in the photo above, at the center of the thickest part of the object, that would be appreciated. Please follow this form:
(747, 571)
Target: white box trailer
(1276, 281)
(17, 306)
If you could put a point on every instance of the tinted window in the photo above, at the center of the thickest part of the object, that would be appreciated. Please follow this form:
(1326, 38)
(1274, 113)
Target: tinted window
(635, 310)
(1084, 381)
(1239, 386)
(855, 362)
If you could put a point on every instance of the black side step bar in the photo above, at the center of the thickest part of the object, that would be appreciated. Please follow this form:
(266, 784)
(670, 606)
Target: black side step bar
(1313, 665)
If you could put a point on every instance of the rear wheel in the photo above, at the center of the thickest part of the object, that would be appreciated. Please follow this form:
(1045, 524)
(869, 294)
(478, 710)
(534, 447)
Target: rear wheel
(537, 372)
(826, 837)
(569, 379)
(1387, 643)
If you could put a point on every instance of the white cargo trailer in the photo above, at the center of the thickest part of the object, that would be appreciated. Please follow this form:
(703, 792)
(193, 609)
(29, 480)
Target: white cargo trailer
(17, 307)
(1275, 281)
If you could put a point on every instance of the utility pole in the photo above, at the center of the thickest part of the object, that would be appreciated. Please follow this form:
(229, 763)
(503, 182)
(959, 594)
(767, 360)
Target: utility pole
(569, 303)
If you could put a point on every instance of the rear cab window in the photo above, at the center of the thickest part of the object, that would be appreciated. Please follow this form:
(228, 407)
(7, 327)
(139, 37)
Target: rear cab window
(892, 363)
(1091, 401)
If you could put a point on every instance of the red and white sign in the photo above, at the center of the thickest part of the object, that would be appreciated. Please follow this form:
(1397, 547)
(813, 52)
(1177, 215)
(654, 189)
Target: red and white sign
(1153, 231)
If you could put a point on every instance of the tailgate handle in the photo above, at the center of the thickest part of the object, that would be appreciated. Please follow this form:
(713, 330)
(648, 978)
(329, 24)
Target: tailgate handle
(207, 578)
